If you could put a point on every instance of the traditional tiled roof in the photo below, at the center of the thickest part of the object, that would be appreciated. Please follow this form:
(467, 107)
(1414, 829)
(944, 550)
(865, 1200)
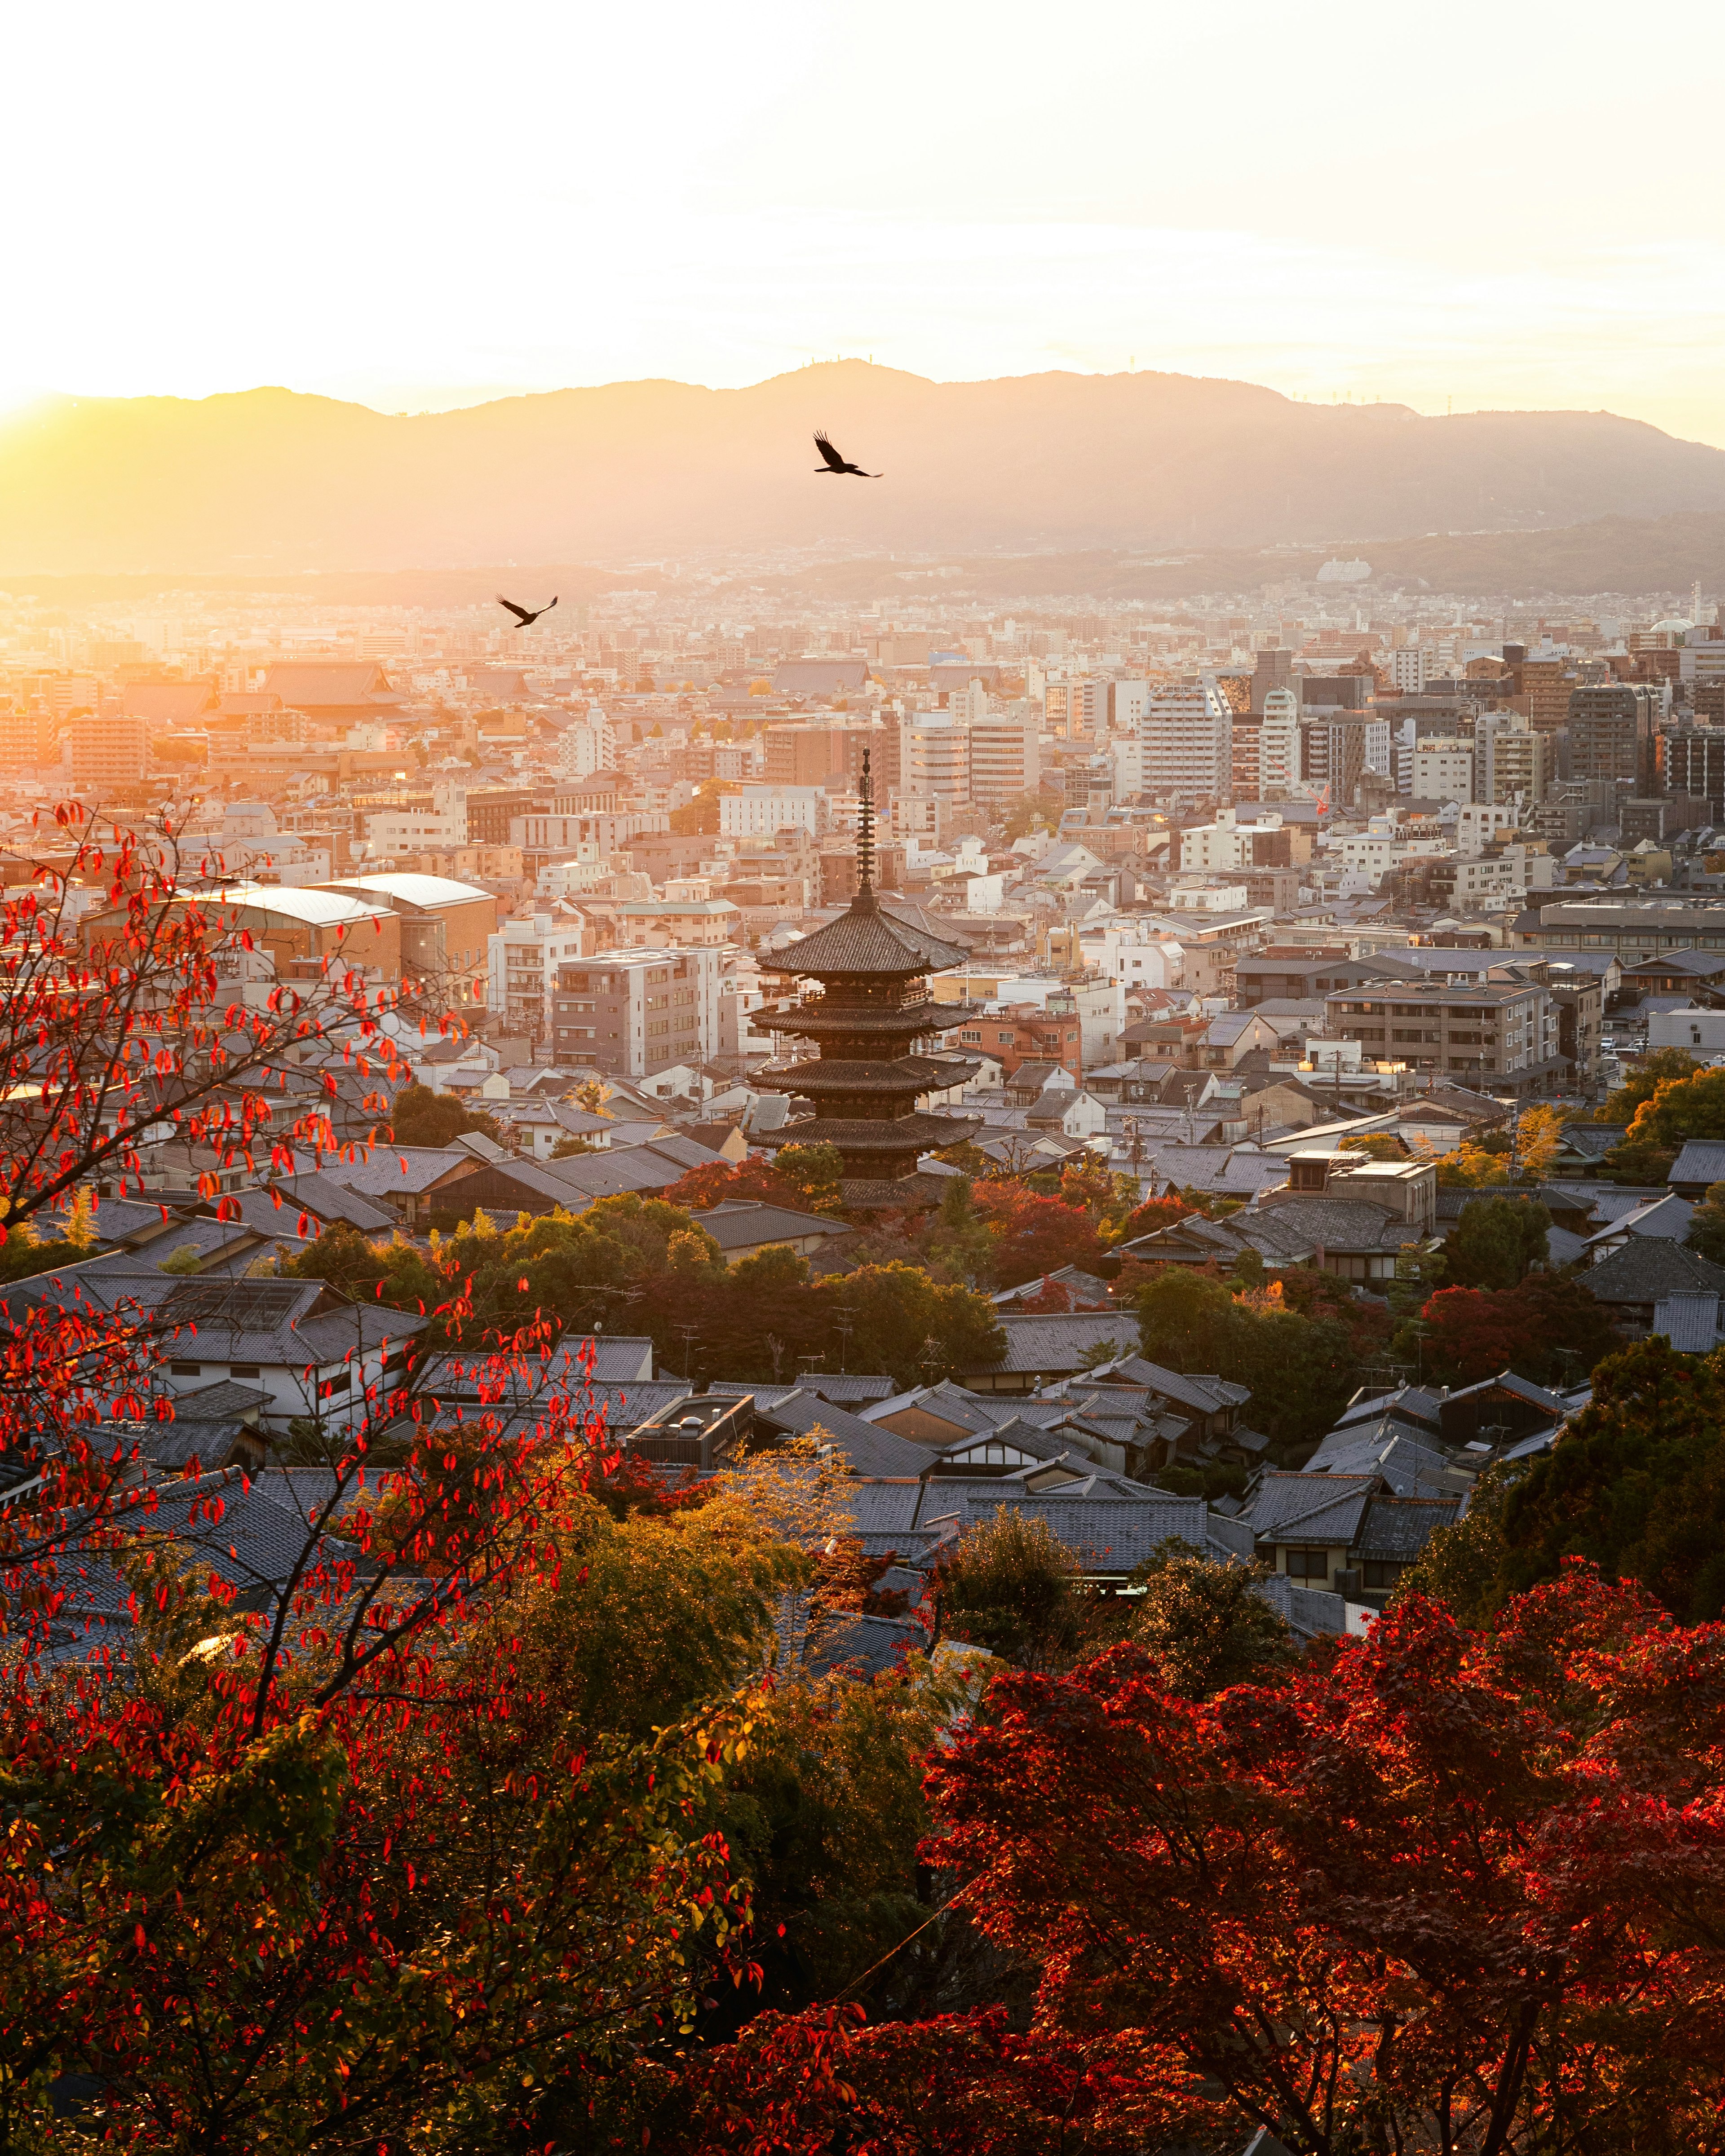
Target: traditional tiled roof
(865, 940)
(1702, 1160)
(1649, 1267)
(1396, 1530)
(1310, 1508)
(1059, 1342)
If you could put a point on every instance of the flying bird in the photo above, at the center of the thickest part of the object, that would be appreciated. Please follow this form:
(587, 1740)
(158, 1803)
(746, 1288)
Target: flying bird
(523, 619)
(835, 463)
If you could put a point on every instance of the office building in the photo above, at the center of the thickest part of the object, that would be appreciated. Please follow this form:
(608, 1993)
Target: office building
(522, 960)
(1271, 670)
(1501, 1036)
(1409, 670)
(589, 745)
(632, 1012)
(27, 740)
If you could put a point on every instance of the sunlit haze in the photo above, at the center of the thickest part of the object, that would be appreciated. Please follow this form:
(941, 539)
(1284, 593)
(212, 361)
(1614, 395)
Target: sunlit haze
(417, 207)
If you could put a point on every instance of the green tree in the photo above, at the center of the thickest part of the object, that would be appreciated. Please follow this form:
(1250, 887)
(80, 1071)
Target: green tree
(421, 1117)
(1707, 1225)
(1660, 1067)
(1495, 1241)
(569, 1148)
(1013, 1588)
(910, 1326)
(1206, 1625)
(960, 1246)
(1635, 1484)
(1462, 1566)
(1300, 1369)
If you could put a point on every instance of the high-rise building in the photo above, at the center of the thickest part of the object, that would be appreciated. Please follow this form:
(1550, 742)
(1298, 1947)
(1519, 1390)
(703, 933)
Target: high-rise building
(112, 750)
(1338, 748)
(1004, 759)
(1271, 670)
(587, 746)
(1410, 669)
(1549, 686)
(1692, 760)
(27, 740)
(936, 755)
(1279, 770)
(1187, 741)
(1087, 708)
(1512, 758)
(1611, 733)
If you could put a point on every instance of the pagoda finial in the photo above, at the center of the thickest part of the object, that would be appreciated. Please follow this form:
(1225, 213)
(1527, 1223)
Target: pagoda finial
(865, 833)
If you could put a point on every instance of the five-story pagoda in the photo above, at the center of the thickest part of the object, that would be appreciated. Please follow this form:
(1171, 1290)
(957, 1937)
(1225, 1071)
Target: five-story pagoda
(873, 1007)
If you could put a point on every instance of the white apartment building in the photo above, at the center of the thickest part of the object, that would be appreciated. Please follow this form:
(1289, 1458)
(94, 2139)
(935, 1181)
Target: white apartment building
(1411, 669)
(1127, 703)
(1187, 740)
(1279, 746)
(758, 811)
(402, 829)
(1477, 823)
(1131, 959)
(587, 746)
(935, 756)
(1006, 758)
(522, 959)
(1213, 849)
(1087, 708)
(1443, 769)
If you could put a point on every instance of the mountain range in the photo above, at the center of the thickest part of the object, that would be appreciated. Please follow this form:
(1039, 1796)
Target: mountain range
(269, 482)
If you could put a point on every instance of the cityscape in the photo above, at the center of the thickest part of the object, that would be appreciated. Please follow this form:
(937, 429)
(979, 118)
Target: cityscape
(862, 1159)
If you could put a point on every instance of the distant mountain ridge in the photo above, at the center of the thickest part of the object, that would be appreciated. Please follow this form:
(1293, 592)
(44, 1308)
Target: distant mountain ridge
(269, 481)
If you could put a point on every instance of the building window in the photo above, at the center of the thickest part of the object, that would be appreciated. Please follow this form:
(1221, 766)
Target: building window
(1380, 1573)
(187, 1369)
(245, 1370)
(1308, 1564)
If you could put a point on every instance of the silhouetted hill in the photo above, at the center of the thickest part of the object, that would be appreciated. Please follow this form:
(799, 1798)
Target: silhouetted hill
(270, 482)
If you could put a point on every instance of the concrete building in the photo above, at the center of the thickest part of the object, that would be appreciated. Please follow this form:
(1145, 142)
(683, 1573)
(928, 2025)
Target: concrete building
(1443, 769)
(1501, 1036)
(1006, 760)
(1690, 760)
(1279, 773)
(419, 825)
(1612, 732)
(523, 958)
(632, 1012)
(1511, 759)
(111, 750)
(935, 752)
(587, 746)
(1186, 737)
(758, 811)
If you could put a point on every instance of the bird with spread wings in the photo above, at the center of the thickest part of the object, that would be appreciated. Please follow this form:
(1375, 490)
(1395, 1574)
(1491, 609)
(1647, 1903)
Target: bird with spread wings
(834, 463)
(523, 619)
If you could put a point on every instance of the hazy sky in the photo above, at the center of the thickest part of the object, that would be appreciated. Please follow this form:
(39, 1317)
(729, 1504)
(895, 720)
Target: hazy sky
(1505, 204)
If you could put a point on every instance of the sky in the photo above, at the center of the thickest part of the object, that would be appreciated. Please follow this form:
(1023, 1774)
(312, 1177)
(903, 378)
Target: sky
(1487, 206)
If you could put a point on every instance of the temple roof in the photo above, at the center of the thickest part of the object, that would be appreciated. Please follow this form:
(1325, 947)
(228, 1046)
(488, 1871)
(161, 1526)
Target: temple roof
(865, 940)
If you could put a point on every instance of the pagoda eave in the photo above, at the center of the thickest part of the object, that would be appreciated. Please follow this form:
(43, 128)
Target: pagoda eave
(920, 1133)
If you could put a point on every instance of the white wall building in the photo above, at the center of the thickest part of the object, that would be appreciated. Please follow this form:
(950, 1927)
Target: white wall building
(1187, 736)
(587, 746)
(400, 829)
(1279, 746)
(758, 811)
(1006, 758)
(522, 961)
(935, 756)
(1443, 769)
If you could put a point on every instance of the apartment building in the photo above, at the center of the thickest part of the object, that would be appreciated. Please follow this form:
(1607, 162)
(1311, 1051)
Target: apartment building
(27, 740)
(1512, 758)
(522, 961)
(758, 811)
(1691, 760)
(632, 1012)
(1279, 773)
(1612, 734)
(587, 746)
(936, 753)
(1005, 762)
(1500, 1036)
(1209, 849)
(1443, 769)
(1186, 738)
(110, 751)
(418, 824)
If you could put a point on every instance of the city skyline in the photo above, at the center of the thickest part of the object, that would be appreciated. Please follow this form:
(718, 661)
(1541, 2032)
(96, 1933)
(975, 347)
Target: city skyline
(423, 221)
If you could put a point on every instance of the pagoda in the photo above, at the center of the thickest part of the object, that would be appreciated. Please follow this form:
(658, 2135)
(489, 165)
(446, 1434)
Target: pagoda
(873, 1007)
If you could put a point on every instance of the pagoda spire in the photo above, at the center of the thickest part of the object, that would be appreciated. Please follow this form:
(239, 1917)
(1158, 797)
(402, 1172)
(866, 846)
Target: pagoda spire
(866, 836)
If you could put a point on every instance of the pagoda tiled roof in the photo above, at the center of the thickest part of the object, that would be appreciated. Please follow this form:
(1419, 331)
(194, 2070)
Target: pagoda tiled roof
(865, 940)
